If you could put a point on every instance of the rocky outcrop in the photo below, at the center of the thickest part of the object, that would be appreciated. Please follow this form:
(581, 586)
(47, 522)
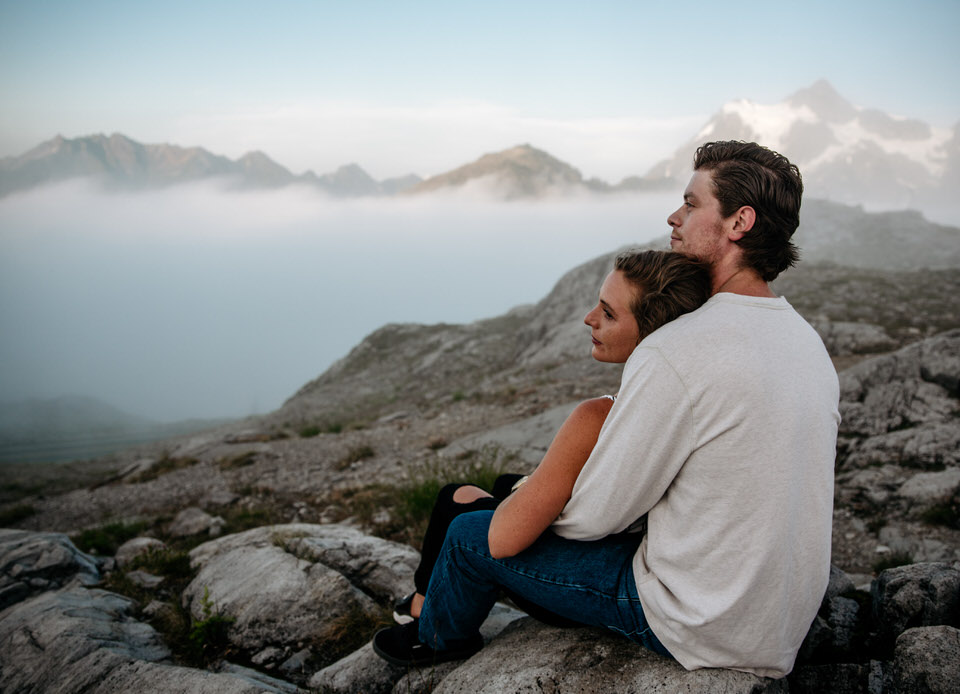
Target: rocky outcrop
(288, 589)
(35, 562)
(80, 639)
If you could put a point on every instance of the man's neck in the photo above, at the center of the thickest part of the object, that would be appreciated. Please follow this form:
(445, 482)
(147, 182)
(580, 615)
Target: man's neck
(740, 280)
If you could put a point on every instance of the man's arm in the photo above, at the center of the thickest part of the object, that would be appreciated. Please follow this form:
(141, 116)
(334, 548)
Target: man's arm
(644, 445)
(530, 510)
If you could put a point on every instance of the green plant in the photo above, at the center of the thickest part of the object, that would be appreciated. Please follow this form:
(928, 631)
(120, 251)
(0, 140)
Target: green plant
(209, 635)
(16, 514)
(892, 560)
(458, 396)
(105, 539)
(354, 455)
(335, 428)
(309, 432)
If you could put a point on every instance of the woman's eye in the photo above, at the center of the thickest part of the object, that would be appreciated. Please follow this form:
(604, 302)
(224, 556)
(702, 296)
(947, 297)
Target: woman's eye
(607, 313)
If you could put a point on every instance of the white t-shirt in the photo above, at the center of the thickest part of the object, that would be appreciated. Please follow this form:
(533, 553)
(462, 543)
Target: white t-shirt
(724, 433)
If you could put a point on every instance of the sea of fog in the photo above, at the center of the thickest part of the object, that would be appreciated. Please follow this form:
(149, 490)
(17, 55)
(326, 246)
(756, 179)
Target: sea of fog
(199, 302)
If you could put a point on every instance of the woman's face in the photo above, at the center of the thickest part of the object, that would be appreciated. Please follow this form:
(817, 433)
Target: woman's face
(612, 325)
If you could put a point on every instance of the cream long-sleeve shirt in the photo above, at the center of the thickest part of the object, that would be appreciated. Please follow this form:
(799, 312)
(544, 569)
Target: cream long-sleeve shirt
(724, 433)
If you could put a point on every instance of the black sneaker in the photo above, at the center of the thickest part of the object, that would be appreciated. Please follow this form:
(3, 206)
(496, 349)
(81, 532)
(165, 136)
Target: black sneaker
(400, 645)
(401, 610)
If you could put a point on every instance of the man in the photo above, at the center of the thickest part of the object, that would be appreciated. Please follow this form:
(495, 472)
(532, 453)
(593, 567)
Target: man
(723, 435)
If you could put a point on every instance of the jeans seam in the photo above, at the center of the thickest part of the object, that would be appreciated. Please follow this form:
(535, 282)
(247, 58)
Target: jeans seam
(541, 578)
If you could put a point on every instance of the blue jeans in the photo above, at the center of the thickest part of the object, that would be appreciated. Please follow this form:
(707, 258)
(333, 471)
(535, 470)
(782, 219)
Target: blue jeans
(588, 582)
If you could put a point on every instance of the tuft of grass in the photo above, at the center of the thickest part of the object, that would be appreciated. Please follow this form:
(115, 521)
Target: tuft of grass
(161, 467)
(15, 514)
(105, 539)
(209, 636)
(346, 634)
(242, 460)
(946, 514)
(335, 428)
(309, 432)
(354, 455)
(892, 560)
(171, 564)
(436, 443)
(458, 396)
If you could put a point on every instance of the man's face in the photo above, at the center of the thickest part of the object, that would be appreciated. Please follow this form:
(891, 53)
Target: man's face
(697, 226)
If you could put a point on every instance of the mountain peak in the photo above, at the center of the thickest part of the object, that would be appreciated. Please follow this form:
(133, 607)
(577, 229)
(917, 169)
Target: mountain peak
(821, 98)
(521, 171)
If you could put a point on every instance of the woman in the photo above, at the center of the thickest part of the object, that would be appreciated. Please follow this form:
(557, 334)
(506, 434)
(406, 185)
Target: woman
(643, 291)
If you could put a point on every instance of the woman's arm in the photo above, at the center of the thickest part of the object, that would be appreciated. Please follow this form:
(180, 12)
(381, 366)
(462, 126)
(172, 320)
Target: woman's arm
(530, 510)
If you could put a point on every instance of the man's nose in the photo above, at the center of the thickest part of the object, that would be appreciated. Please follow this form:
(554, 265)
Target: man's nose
(673, 220)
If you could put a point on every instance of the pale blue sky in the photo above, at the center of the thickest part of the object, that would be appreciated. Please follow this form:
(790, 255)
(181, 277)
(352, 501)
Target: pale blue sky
(610, 86)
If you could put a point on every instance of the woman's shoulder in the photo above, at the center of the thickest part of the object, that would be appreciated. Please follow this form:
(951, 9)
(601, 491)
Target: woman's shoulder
(594, 409)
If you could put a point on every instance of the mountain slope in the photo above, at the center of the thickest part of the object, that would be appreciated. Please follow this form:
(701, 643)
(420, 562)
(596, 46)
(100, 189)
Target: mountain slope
(519, 172)
(121, 163)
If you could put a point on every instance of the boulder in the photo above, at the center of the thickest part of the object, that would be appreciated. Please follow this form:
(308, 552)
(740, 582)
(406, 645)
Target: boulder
(844, 338)
(287, 587)
(81, 640)
(530, 656)
(195, 521)
(927, 659)
(32, 562)
(131, 549)
(926, 594)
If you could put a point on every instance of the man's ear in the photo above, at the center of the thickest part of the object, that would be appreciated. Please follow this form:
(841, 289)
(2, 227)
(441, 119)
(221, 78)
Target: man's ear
(743, 221)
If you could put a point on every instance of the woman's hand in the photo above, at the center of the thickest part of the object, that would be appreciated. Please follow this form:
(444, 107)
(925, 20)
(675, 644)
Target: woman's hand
(530, 510)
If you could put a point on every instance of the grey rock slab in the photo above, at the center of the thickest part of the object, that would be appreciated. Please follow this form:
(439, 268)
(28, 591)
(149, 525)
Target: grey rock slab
(31, 561)
(925, 594)
(379, 567)
(931, 487)
(131, 549)
(274, 597)
(532, 657)
(82, 640)
(927, 659)
(287, 585)
(194, 521)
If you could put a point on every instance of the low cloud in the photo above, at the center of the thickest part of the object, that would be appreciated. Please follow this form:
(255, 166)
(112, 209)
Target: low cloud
(198, 301)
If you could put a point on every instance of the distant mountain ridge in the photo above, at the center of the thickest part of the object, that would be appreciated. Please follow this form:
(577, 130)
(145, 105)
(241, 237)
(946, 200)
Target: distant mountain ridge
(846, 153)
(122, 163)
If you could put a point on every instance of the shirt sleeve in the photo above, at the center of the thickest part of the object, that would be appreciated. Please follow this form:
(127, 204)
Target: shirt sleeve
(643, 444)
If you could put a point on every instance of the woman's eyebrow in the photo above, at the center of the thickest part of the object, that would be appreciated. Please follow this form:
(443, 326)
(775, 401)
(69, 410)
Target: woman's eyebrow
(608, 307)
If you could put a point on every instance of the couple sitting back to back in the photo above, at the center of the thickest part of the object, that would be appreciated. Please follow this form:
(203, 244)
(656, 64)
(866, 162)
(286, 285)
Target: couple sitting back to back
(722, 436)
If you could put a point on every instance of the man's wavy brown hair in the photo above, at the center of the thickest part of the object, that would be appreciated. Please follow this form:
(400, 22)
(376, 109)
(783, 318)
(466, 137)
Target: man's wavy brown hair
(746, 174)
